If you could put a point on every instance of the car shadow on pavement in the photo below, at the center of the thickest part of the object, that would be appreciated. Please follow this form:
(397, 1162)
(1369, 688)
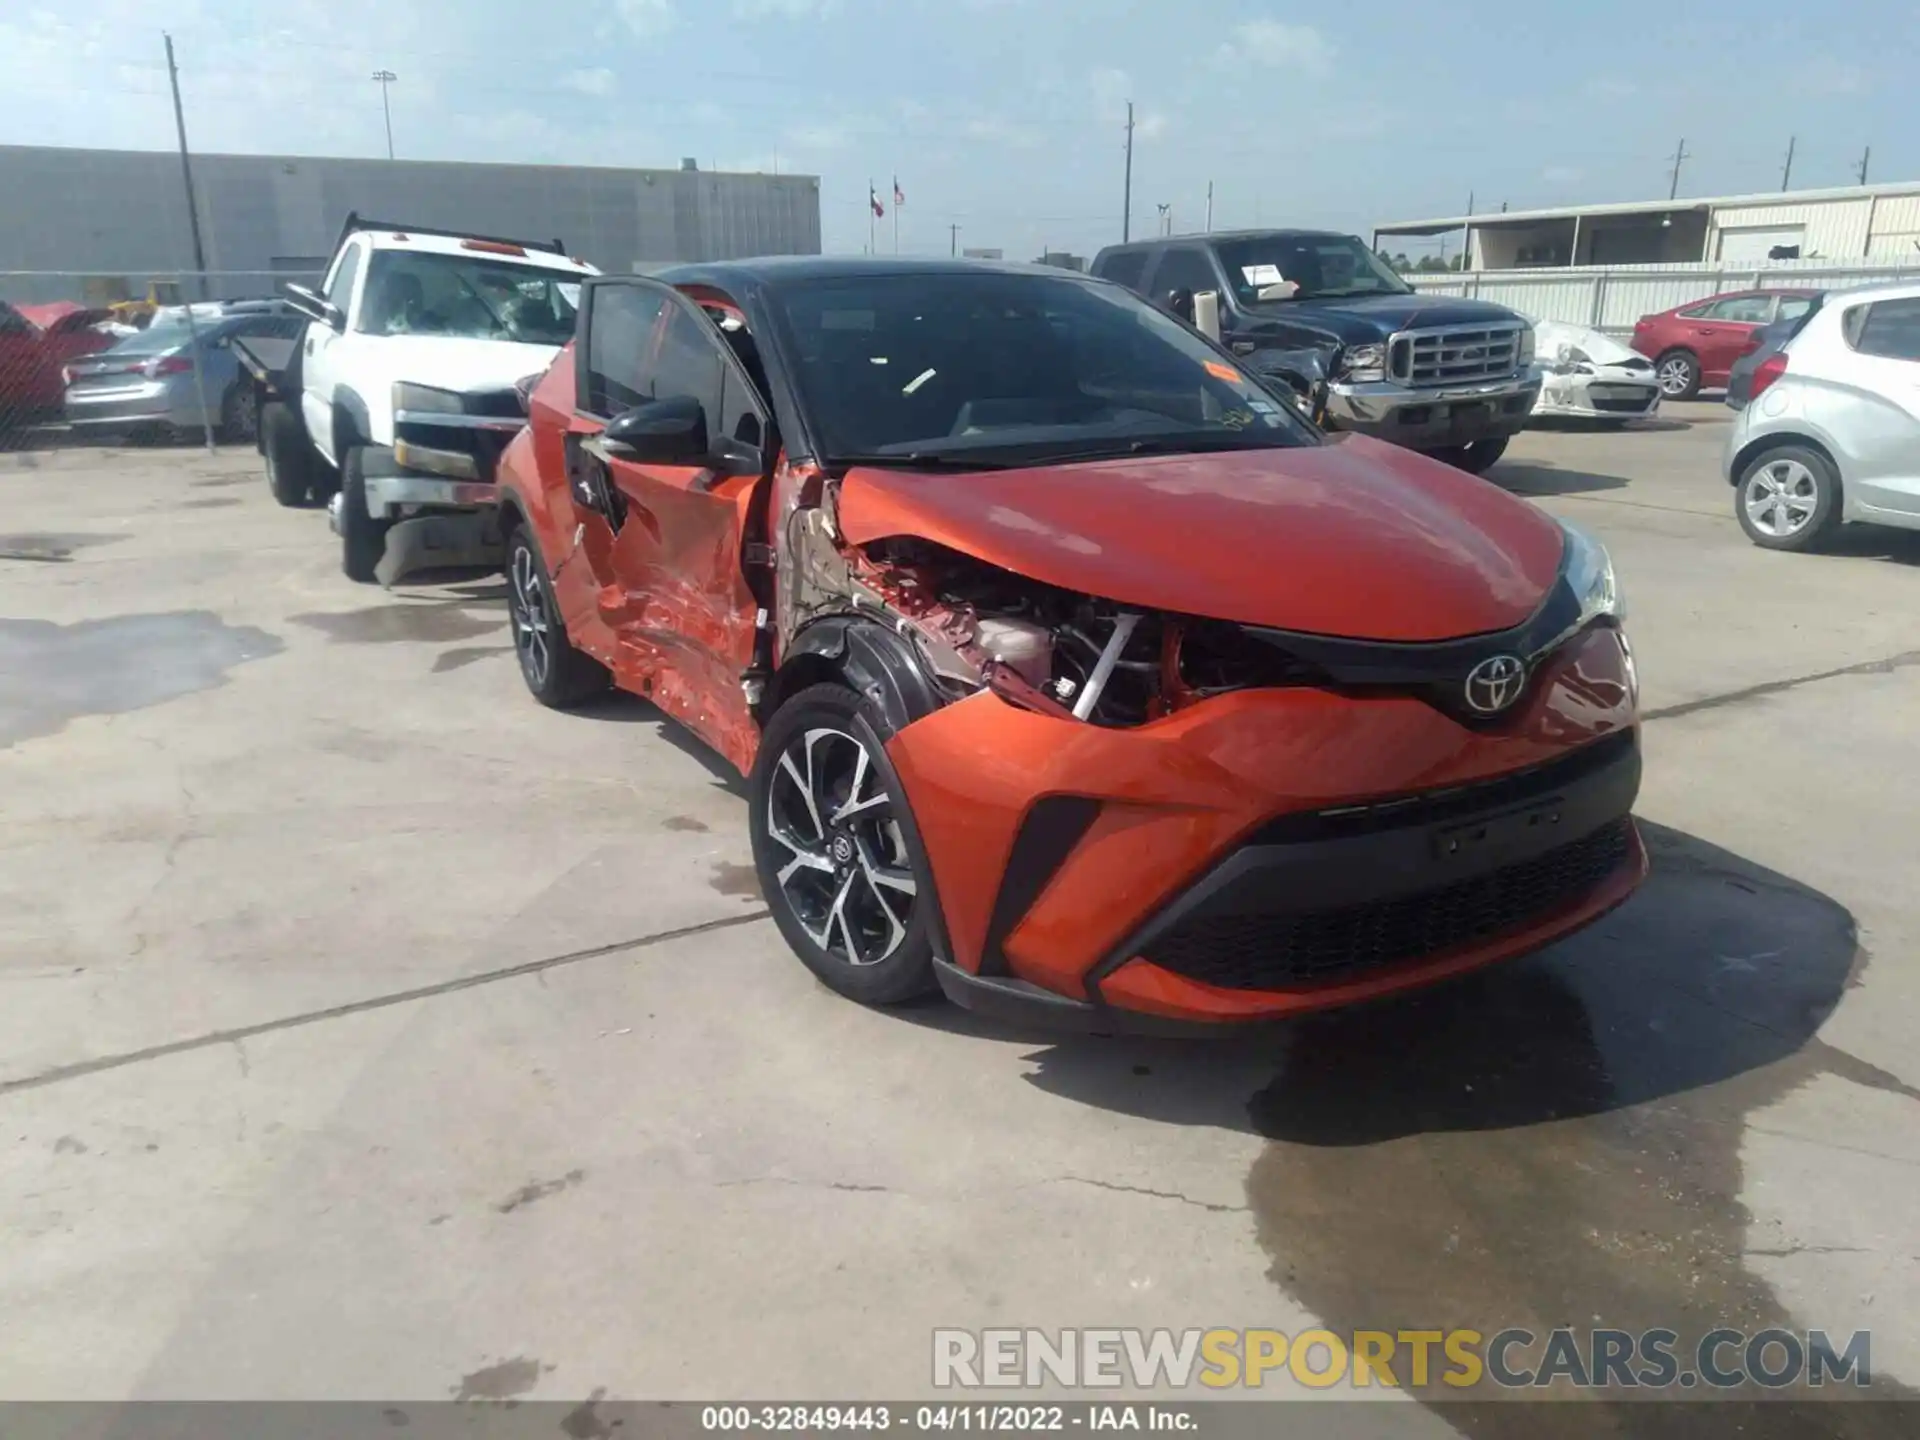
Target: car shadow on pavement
(1586, 425)
(1543, 477)
(624, 707)
(1558, 1141)
(1875, 542)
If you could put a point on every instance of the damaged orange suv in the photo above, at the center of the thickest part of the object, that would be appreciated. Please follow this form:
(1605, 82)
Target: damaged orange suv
(1074, 674)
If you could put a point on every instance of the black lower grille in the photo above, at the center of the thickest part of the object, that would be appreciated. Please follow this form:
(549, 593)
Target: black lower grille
(1632, 406)
(1279, 951)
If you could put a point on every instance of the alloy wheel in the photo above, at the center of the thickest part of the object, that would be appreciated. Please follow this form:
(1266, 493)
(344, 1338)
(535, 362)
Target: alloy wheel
(531, 617)
(847, 877)
(1781, 497)
(1675, 376)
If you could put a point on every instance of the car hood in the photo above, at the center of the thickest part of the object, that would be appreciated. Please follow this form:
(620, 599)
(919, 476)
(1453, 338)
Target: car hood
(1354, 537)
(444, 361)
(1601, 348)
(1362, 319)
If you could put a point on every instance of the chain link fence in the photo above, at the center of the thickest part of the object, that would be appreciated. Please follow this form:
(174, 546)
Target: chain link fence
(96, 357)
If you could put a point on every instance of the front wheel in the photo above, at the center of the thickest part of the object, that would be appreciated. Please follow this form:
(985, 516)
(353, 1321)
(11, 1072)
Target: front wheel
(836, 850)
(363, 539)
(557, 673)
(1788, 498)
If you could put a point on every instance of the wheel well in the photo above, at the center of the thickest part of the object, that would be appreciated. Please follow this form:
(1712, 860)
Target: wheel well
(1673, 350)
(349, 424)
(1754, 448)
(512, 513)
(798, 674)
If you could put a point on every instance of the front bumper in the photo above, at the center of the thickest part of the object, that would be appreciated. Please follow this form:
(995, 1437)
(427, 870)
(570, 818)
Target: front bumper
(1604, 395)
(1269, 852)
(1431, 419)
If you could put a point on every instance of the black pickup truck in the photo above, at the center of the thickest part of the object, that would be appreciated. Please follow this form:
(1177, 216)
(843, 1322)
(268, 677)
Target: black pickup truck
(1453, 378)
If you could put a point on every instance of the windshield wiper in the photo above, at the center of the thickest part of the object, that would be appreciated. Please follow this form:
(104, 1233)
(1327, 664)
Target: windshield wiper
(916, 460)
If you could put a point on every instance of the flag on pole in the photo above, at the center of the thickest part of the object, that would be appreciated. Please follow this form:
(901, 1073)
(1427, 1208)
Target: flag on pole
(873, 199)
(899, 199)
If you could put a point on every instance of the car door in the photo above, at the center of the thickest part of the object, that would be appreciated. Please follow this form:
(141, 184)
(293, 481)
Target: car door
(1721, 333)
(1879, 434)
(663, 544)
(320, 353)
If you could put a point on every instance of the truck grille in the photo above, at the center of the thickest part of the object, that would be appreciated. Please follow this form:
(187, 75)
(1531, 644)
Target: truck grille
(1458, 355)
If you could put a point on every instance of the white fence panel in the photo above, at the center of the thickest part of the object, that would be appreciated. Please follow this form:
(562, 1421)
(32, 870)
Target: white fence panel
(1613, 297)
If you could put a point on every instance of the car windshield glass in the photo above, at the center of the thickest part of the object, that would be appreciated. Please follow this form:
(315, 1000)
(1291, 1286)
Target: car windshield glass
(417, 292)
(1013, 370)
(1323, 267)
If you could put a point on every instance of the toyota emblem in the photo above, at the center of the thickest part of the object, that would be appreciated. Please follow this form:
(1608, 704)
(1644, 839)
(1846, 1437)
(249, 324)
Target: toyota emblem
(1495, 683)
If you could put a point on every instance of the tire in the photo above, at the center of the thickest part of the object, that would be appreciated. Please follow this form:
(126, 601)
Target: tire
(240, 414)
(557, 674)
(1788, 498)
(855, 904)
(363, 539)
(1679, 374)
(289, 458)
(1476, 458)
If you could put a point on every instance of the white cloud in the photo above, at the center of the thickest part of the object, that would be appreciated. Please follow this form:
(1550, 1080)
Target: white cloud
(646, 18)
(1560, 174)
(597, 81)
(1274, 42)
(1611, 87)
(1001, 131)
(1147, 126)
(830, 135)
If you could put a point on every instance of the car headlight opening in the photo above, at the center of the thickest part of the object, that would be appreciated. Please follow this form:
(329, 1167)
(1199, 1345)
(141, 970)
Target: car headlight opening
(1590, 575)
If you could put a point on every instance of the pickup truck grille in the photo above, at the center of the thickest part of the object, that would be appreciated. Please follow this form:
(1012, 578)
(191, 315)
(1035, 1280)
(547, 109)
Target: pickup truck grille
(1458, 355)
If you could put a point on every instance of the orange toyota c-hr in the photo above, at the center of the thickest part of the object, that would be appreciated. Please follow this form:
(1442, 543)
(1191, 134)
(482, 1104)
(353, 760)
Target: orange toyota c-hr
(1073, 673)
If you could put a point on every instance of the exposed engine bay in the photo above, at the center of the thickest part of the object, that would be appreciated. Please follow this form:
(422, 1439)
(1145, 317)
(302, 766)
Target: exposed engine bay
(1046, 649)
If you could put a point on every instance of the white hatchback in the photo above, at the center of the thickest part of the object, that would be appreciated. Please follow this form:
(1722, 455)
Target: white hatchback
(1832, 432)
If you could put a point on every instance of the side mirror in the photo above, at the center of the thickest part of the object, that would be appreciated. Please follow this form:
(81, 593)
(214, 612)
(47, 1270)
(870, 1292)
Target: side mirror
(674, 432)
(311, 303)
(1180, 302)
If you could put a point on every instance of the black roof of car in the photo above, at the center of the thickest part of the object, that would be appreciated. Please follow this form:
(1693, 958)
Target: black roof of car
(779, 269)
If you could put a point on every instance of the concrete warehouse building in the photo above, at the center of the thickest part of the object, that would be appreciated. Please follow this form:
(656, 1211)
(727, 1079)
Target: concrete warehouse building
(1878, 223)
(101, 220)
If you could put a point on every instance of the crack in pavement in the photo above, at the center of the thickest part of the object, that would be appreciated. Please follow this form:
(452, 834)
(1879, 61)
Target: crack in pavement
(1773, 687)
(1154, 1194)
(374, 1002)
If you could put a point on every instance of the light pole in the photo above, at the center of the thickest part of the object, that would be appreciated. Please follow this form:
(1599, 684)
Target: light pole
(386, 78)
(1166, 219)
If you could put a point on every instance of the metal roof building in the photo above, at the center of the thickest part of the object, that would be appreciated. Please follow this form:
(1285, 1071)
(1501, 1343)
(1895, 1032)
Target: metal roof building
(1849, 224)
(94, 221)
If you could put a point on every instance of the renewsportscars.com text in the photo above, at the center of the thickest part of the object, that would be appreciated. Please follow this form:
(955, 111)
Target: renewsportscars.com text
(1221, 1359)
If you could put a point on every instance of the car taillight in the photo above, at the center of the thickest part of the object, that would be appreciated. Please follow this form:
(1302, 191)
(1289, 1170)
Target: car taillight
(1768, 371)
(1753, 344)
(167, 365)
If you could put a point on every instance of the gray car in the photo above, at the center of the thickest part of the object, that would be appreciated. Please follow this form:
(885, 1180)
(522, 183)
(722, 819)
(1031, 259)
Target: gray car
(148, 380)
(1832, 430)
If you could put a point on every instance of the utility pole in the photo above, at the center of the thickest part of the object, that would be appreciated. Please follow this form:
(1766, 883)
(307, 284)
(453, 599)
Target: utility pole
(1679, 158)
(186, 170)
(1865, 155)
(953, 240)
(1126, 212)
(1786, 171)
(1166, 219)
(386, 78)
(1209, 207)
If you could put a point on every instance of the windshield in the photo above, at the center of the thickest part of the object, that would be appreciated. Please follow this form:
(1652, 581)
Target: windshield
(417, 292)
(1324, 267)
(1013, 369)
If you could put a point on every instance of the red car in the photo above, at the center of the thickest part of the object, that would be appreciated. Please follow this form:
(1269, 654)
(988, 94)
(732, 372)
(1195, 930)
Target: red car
(1072, 672)
(36, 342)
(1694, 346)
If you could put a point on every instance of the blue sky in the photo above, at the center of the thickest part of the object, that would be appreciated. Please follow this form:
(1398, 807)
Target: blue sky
(1004, 116)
